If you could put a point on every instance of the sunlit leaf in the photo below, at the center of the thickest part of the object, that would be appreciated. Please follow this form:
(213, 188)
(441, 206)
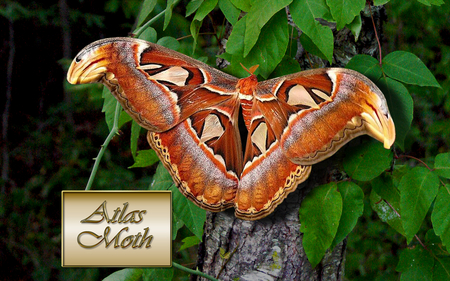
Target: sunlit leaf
(304, 14)
(260, 13)
(145, 158)
(243, 5)
(345, 11)
(267, 53)
(188, 242)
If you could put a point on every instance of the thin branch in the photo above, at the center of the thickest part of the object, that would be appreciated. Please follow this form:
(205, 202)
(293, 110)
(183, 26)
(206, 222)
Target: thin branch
(191, 271)
(112, 133)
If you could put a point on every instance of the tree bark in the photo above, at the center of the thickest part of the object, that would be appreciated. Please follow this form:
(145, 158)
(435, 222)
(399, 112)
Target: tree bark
(271, 248)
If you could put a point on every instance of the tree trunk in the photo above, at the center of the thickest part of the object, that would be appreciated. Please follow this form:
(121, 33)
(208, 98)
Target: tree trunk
(271, 248)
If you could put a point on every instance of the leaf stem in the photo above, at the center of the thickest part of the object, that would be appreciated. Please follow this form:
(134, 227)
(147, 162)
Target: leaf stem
(191, 271)
(376, 34)
(420, 161)
(112, 133)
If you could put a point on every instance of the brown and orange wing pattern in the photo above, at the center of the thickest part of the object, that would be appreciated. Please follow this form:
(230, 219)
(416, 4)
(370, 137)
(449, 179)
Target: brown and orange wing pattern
(301, 119)
(192, 111)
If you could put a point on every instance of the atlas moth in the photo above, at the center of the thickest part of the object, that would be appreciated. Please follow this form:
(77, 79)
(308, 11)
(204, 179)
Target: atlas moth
(192, 113)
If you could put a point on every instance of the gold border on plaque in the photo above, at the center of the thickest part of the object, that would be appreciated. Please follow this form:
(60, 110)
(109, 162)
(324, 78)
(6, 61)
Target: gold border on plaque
(156, 218)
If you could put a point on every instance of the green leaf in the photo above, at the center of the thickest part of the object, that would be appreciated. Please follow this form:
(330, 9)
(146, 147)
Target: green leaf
(319, 215)
(366, 65)
(169, 42)
(415, 264)
(384, 186)
(192, 216)
(355, 26)
(431, 2)
(260, 13)
(135, 131)
(129, 274)
(310, 46)
(243, 5)
(183, 209)
(168, 12)
(109, 107)
(145, 158)
(123, 118)
(267, 53)
(177, 224)
(203, 10)
(442, 165)
(408, 68)
(304, 14)
(189, 242)
(401, 107)
(367, 161)
(146, 9)
(418, 188)
(441, 270)
(440, 217)
(192, 6)
(149, 34)
(352, 208)
(235, 43)
(287, 66)
(386, 213)
(345, 11)
(230, 12)
(158, 273)
(380, 2)
(162, 180)
(434, 243)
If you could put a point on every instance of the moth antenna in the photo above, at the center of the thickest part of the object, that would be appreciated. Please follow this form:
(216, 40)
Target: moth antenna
(252, 69)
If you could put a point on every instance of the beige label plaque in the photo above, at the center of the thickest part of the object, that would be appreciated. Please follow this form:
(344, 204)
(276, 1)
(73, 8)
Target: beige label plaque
(116, 228)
